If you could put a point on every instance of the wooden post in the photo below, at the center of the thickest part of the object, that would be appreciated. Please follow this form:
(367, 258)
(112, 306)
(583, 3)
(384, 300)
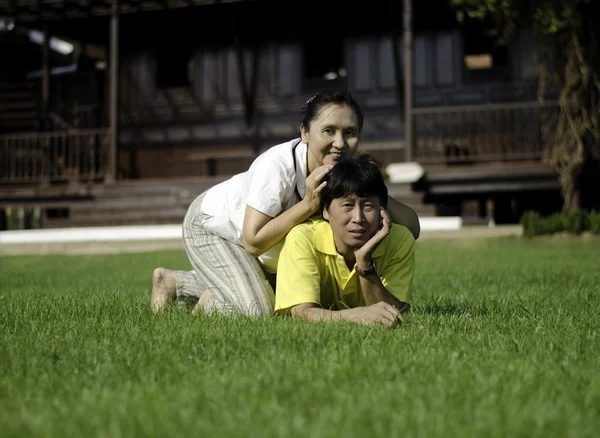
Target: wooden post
(248, 91)
(408, 80)
(44, 106)
(111, 163)
(45, 77)
(398, 72)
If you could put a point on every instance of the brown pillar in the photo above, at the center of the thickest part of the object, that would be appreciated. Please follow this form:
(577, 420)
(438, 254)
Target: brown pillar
(111, 162)
(44, 106)
(45, 76)
(407, 41)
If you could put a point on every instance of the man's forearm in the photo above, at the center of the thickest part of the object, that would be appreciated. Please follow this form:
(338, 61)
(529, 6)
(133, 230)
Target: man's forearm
(374, 291)
(315, 314)
(380, 313)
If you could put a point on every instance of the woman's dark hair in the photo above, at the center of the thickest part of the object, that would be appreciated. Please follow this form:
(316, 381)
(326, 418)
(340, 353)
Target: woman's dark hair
(360, 175)
(313, 105)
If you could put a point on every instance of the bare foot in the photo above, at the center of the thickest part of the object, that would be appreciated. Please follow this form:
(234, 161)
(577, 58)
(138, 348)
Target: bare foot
(204, 299)
(163, 288)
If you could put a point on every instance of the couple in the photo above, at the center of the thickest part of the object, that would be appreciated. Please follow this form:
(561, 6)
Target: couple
(234, 232)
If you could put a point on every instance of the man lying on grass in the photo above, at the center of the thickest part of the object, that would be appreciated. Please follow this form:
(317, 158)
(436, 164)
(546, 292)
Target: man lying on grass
(354, 264)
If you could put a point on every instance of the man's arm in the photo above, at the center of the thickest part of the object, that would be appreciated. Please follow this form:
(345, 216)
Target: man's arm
(373, 289)
(404, 215)
(374, 292)
(379, 313)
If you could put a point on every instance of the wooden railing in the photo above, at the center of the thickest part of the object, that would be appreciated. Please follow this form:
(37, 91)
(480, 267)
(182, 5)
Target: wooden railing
(76, 117)
(59, 156)
(498, 132)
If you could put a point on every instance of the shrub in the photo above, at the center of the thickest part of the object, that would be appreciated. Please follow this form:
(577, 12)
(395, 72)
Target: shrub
(594, 222)
(574, 222)
(530, 221)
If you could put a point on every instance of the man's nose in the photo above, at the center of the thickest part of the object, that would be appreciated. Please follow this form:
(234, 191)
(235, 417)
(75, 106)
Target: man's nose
(358, 215)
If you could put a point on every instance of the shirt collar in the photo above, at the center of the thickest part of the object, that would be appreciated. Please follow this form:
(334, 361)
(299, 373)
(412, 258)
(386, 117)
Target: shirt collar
(324, 242)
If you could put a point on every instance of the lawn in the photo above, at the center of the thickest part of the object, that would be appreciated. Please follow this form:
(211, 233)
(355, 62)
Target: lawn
(503, 341)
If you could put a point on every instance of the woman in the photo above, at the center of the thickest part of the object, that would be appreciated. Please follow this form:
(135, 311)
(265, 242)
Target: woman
(233, 232)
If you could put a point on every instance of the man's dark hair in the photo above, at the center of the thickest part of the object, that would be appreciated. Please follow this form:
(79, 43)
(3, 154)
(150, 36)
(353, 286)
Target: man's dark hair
(313, 105)
(360, 175)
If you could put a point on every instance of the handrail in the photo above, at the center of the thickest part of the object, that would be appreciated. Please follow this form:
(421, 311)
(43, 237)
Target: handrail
(482, 107)
(55, 156)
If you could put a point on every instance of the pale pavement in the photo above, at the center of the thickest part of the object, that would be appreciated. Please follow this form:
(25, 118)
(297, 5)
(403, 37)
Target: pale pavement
(149, 245)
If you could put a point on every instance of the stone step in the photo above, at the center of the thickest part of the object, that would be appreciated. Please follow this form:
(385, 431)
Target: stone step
(154, 188)
(165, 216)
(133, 202)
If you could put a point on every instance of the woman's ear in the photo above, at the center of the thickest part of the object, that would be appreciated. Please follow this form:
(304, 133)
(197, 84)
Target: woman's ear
(303, 133)
(325, 214)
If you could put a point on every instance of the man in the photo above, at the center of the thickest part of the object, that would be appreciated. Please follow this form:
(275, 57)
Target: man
(354, 264)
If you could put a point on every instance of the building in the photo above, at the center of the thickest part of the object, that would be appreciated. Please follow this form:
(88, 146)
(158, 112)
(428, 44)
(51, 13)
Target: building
(153, 96)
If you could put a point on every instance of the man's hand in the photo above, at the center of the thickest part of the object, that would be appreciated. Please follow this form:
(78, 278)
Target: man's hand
(363, 254)
(380, 313)
(314, 186)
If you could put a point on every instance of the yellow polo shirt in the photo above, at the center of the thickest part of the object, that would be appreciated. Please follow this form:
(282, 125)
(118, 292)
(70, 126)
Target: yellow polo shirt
(310, 270)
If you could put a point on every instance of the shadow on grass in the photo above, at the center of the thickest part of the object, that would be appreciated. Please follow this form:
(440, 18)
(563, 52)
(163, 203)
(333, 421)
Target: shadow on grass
(450, 307)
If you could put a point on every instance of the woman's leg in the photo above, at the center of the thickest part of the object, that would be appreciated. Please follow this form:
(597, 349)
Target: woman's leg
(169, 285)
(233, 277)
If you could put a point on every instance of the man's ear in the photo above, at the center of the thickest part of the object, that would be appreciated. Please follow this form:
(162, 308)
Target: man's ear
(325, 214)
(303, 133)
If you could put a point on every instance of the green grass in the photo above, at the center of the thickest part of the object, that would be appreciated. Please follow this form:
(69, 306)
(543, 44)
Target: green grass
(503, 342)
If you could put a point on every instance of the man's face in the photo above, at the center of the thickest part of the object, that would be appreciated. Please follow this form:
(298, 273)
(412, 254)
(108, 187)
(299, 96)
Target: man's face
(354, 220)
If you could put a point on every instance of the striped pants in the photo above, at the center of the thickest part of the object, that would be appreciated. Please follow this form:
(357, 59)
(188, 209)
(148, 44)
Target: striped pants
(235, 278)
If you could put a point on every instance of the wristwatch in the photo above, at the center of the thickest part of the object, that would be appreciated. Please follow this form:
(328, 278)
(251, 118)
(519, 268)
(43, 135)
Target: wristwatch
(364, 272)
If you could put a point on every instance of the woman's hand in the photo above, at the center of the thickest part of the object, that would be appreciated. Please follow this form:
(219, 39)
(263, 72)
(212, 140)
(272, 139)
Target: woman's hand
(314, 186)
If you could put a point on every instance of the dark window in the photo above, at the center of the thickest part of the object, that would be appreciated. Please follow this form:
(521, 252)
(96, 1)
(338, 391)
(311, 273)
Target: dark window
(173, 66)
(484, 59)
(212, 166)
(57, 213)
(324, 61)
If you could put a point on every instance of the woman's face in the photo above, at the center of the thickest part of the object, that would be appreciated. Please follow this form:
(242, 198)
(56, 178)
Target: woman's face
(333, 135)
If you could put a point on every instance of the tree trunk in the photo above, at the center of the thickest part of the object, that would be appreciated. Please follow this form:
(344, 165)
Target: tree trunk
(573, 195)
(398, 72)
(576, 141)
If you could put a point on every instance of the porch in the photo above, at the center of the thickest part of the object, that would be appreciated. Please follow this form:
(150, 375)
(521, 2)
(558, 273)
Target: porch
(468, 152)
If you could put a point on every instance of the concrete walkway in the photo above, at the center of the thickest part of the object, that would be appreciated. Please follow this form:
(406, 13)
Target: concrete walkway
(472, 232)
(171, 241)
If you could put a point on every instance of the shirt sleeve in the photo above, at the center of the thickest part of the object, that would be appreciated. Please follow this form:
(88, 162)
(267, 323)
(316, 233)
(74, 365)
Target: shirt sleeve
(398, 270)
(268, 187)
(298, 275)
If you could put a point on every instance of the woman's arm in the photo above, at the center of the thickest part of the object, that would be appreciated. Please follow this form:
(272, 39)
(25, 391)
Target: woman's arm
(261, 232)
(404, 215)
